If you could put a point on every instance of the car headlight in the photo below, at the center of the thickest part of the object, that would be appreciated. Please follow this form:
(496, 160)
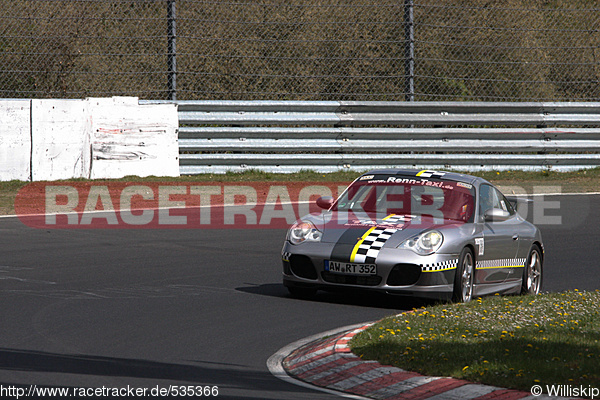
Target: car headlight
(304, 231)
(424, 243)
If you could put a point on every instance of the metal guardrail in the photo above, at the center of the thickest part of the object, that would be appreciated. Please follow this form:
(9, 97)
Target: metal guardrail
(287, 136)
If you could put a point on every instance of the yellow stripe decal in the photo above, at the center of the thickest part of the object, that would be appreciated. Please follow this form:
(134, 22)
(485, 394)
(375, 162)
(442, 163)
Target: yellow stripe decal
(420, 172)
(362, 238)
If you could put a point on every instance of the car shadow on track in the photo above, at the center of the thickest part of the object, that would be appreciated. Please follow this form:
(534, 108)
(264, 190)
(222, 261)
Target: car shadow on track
(354, 298)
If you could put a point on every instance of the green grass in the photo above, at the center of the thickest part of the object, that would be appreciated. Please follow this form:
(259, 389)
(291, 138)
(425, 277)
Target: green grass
(512, 342)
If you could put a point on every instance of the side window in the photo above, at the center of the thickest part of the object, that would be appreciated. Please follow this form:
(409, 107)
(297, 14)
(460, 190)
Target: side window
(490, 197)
(505, 204)
(486, 198)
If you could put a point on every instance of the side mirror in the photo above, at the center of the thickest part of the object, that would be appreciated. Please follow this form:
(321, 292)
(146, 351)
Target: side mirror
(517, 200)
(495, 215)
(325, 202)
(520, 204)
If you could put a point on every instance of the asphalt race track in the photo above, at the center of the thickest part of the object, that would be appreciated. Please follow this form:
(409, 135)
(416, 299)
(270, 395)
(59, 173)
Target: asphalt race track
(149, 308)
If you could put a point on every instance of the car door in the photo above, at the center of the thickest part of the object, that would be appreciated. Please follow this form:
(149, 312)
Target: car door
(499, 242)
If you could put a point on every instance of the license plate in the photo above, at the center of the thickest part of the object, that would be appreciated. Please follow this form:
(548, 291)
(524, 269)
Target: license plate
(350, 268)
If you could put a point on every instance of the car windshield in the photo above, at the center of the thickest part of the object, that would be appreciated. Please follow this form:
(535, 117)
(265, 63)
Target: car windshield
(409, 196)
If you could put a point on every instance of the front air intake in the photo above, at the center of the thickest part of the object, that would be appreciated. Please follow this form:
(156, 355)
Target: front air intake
(404, 275)
(303, 267)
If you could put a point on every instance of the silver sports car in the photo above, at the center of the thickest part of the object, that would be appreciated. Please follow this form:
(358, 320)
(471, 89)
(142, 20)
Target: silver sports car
(418, 233)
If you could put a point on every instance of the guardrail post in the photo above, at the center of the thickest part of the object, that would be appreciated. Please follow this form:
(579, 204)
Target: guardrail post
(171, 51)
(409, 51)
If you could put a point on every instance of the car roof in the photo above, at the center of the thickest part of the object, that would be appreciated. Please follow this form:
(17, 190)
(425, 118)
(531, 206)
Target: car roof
(453, 176)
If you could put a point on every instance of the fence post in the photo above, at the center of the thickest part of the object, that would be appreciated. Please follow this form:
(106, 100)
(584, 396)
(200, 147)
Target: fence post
(171, 51)
(409, 51)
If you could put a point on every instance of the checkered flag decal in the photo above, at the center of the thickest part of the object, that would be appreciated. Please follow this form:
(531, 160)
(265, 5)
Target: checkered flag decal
(431, 174)
(503, 263)
(441, 266)
(369, 248)
(393, 219)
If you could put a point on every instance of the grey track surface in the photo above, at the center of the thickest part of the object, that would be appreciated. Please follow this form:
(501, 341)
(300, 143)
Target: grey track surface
(194, 307)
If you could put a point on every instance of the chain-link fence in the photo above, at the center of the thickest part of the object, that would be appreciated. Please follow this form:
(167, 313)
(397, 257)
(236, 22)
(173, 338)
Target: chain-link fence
(481, 50)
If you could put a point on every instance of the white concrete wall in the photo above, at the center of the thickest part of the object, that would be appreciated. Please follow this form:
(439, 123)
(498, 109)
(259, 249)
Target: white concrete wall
(92, 138)
(129, 139)
(15, 140)
(60, 140)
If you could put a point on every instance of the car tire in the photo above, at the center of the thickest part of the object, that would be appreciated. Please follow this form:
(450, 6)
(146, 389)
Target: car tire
(464, 277)
(533, 271)
(301, 293)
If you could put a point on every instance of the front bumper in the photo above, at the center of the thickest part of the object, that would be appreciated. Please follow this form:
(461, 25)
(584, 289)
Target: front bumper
(401, 272)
